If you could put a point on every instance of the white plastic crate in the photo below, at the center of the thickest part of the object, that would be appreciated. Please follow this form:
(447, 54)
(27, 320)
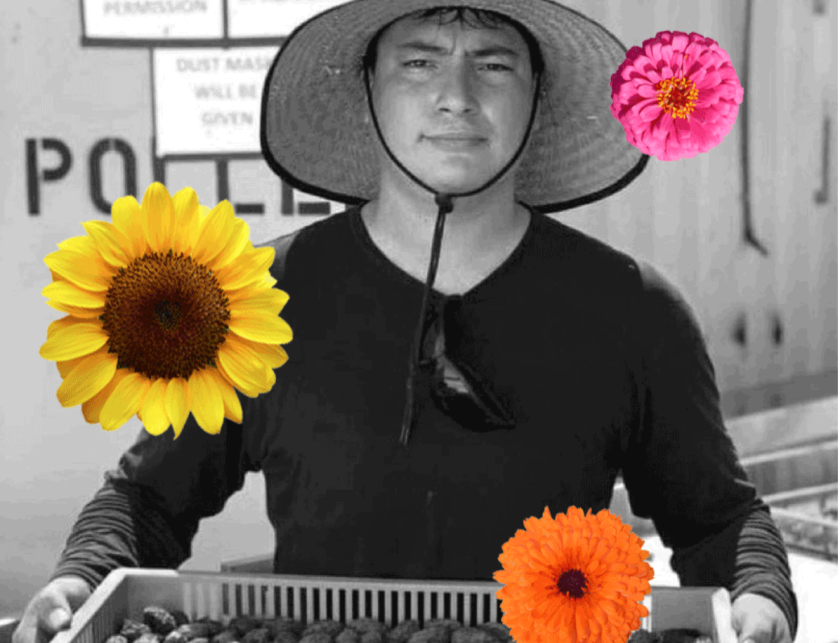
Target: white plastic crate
(125, 592)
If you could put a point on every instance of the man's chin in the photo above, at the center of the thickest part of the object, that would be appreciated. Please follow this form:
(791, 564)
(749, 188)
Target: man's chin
(455, 185)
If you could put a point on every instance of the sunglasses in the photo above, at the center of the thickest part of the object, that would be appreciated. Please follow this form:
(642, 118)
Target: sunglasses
(454, 387)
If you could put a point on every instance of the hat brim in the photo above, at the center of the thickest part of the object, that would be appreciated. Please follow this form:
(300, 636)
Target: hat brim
(313, 135)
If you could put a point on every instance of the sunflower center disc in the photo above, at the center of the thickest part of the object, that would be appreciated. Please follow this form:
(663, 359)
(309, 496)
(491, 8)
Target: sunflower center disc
(165, 316)
(572, 583)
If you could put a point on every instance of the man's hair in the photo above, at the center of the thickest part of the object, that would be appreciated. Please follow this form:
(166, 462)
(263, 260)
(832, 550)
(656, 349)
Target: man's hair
(482, 18)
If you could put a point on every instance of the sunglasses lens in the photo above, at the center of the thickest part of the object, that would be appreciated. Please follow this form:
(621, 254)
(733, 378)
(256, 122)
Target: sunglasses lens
(461, 396)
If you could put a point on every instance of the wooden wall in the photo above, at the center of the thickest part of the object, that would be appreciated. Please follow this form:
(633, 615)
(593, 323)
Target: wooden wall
(766, 317)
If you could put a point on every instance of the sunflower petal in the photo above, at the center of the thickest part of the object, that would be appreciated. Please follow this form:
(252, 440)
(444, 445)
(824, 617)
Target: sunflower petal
(208, 407)
(75, 311)
(75, 341)
(153, 409)
(233, 409)
(178, 402)
(126, 214)
(85, 271)
(248, 269)
(271, 355)
(157, 213)
(216, 229)
(93, 407)
(251, 390)
(252, 290)
(125, 401)
(71, 295)
(66, 367)
(234, 246)
(242, 367)
(265, 328)
(64, 322)
(83, 245)
(110, 242)
(265, 301)
(87, 379)
(187, 219)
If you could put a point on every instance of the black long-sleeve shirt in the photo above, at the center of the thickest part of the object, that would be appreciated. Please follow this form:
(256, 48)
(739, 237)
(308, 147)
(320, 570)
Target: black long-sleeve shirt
(596, 355)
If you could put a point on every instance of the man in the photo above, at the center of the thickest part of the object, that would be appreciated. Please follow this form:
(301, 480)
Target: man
(443, 387)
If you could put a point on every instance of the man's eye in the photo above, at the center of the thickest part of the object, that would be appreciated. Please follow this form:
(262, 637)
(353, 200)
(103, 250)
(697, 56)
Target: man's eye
(498, 67)
(411, 64)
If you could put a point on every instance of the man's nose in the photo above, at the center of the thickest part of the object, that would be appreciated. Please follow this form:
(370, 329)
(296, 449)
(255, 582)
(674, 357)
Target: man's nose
(457, 92)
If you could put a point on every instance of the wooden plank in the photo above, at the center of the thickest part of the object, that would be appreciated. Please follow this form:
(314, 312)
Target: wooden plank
(721, 281)
(786, 427)
(773, 395)
(797, 128)
(756, 274)
(822, 223)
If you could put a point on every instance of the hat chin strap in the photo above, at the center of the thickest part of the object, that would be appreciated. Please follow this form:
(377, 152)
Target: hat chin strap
(445, 205)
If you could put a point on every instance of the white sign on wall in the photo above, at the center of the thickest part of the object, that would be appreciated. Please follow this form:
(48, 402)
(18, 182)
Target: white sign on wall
(155, 19)
(261, 18)
(207, 101)
(197, 19)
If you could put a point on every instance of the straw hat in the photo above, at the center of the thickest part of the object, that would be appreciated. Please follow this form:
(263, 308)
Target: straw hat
(313, 134)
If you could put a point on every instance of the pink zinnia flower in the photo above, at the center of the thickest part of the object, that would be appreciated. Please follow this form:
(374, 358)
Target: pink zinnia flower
(676, 96)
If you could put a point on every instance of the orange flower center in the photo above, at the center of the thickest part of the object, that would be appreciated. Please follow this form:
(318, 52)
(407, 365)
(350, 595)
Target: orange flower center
(677, 96)
(572, 583)
(165, 316)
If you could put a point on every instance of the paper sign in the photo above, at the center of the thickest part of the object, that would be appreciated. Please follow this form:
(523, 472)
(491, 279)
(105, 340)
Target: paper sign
(262, 18)
(207, 101)
(153, 19)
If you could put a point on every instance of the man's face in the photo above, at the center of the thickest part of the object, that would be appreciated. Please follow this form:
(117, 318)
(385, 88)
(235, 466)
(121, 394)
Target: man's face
(453, 101)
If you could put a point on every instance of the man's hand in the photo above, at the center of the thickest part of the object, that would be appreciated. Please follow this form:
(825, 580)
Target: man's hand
(51, 610)
(759, 620)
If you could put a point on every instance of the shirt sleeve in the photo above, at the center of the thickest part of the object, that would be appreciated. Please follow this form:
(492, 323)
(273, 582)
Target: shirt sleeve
(681, 468)
(148, 510)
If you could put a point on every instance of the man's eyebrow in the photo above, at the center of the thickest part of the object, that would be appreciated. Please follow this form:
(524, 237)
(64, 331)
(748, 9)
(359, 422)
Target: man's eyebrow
(490, 50)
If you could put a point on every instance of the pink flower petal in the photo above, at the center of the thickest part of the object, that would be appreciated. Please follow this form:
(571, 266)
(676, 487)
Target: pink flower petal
(698, 75)
(701, 135)
(711, 79)
(642, 64)
(647, 91)
(680, 40)
(655, 51)
(649, 112)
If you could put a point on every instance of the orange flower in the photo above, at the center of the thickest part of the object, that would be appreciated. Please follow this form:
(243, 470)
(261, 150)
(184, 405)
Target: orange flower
(573, 579)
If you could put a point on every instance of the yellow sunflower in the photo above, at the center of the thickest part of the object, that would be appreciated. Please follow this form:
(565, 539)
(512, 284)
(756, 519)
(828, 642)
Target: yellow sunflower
(169, 308)
(574, 579)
